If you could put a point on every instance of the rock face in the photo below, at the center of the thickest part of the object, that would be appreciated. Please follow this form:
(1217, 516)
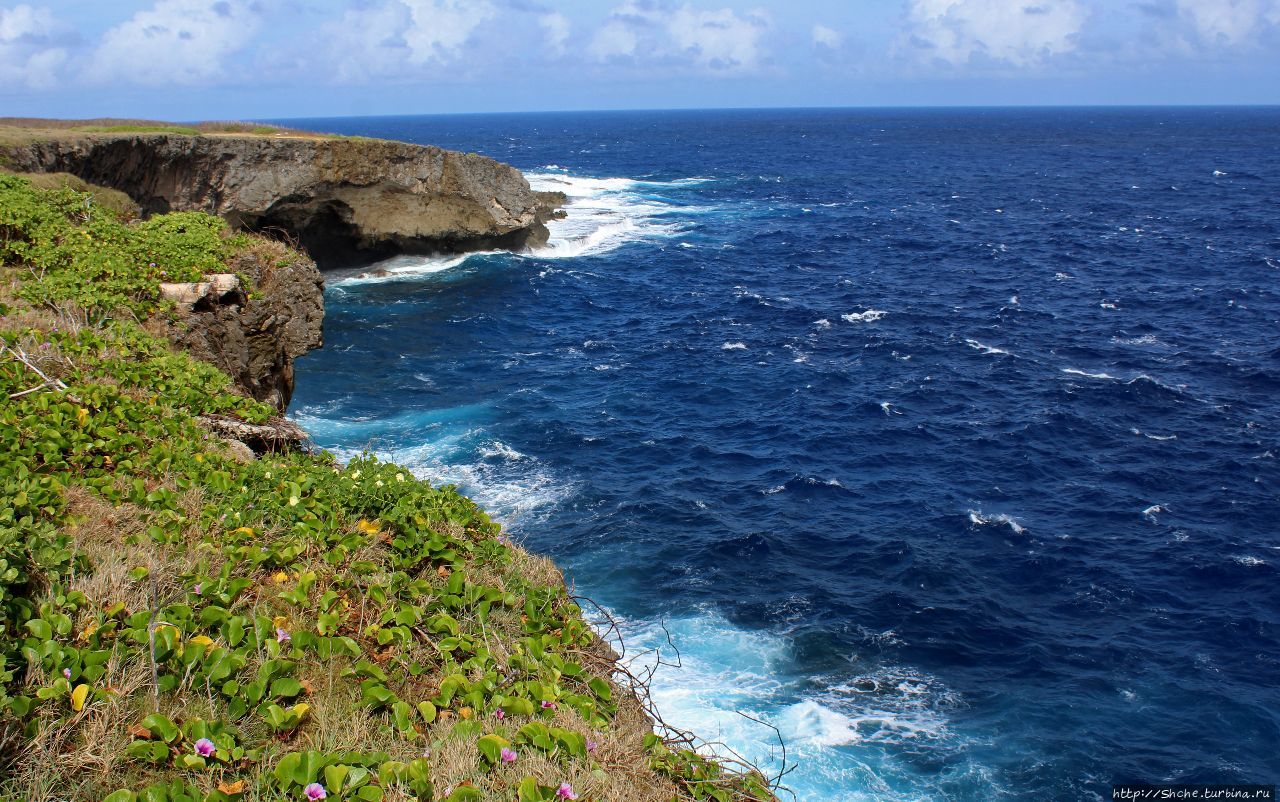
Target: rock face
(347, 201)
(253, 334)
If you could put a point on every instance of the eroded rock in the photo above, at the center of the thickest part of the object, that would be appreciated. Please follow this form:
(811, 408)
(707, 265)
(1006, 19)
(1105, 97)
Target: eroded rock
(347, 201)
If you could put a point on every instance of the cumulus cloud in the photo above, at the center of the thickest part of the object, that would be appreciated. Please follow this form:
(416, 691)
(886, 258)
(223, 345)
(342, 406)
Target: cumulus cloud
(826, 37)
(1229, 22)
(557, 27)
(399, 38)
(1005, 32)
(175, 42)
(720, 40)
(33, 47)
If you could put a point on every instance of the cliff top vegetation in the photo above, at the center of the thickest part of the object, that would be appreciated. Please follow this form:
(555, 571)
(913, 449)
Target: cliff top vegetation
(21, 130)
(179, 621)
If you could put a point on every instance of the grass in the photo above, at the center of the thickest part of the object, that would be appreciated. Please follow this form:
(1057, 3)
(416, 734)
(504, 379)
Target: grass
(17, 131)
(181, 623)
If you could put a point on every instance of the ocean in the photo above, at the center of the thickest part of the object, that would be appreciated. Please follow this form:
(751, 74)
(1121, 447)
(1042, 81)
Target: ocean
(940, 443)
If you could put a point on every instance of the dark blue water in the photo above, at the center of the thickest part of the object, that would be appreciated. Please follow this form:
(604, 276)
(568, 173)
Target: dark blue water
(943, 441)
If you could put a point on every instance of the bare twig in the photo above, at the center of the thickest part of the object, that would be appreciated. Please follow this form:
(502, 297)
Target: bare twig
(639, 683)
(21, 356)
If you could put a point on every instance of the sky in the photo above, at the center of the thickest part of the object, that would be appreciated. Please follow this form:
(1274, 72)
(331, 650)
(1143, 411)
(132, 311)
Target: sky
(272, 59)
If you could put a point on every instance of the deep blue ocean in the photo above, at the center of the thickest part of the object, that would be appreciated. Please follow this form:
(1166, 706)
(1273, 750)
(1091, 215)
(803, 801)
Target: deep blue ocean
(944, 441)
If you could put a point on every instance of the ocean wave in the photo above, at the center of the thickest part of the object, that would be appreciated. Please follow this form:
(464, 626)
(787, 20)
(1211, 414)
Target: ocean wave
(734, 688)
(978, 518)
(868, 316)
(603, 214)
(1086, 374)
(986, 349)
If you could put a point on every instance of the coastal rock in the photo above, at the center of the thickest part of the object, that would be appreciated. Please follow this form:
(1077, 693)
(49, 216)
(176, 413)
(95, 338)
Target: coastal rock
(252, 333)
(346, 201)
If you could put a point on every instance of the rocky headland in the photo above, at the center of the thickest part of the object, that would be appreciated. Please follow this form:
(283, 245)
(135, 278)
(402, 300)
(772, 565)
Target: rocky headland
(345, 200)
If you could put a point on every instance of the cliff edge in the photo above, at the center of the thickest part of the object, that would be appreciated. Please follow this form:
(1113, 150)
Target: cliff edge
(346, 201)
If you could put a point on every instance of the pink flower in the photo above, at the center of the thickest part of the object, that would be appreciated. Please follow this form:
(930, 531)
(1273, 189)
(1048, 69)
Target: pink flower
(66, 672)
(205, 747)
(315, 791)
(197, 588)
(565, 791)
(283, 636)
(508, 756)
(548, 705)
(499, 714)
(591, 746)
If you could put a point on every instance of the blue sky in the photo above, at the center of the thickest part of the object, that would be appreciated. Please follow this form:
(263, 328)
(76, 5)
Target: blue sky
(225, 59)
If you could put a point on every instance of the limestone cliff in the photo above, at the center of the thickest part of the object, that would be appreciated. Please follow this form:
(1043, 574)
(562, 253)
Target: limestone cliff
(252, 333)
(347, 201)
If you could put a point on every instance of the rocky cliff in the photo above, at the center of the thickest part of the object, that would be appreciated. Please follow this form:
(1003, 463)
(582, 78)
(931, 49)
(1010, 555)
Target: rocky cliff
(347, 201)
(251, 332)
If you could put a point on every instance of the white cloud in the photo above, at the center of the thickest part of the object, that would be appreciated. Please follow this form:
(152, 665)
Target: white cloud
(827, 37)
(1013, 33)
(556, 26)
(721, 40)
(1229, 22)
(175, 42)
(31, 51)
(398, 38)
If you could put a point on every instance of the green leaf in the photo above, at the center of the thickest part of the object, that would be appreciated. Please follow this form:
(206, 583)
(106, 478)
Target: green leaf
(370, 793)
(465, 793)
(334, 776)
(427, 711)
(161, 725)
(287, 768)
(530, 791)
(122, 795)
(286, 687)
(40, 629)
(601, 688)
(491, 747)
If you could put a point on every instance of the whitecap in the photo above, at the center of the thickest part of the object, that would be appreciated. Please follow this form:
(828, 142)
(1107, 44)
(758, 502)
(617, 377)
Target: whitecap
(1248, 559)
(822, 324)
(869, 316)
(734, 347)
(603, 214)
(977, 518)
(1086, 374)
(1150, 512)
(986, 349)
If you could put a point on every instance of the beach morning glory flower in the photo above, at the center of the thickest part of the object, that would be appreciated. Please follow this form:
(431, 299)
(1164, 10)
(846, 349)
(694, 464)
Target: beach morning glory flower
(548, 705)
(66, 672)
(591, 746)
(508, 756)
(315, 791)
(499, 714)
(205, 747)
(565, 791)
(282, 636)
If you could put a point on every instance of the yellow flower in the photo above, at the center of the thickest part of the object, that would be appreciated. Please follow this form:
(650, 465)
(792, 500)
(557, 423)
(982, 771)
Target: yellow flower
(293, 501)
(244, 530)
(368, 527)
(280, 577)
